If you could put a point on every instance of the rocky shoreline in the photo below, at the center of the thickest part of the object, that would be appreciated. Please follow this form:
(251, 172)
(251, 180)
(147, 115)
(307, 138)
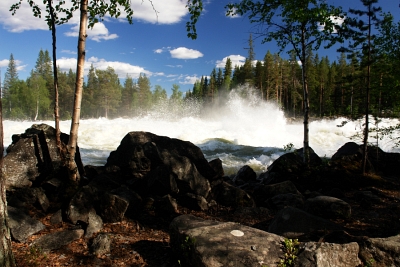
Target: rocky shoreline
(163, 189)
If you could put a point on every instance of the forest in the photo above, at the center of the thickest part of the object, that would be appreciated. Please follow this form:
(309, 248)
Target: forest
(336, 87)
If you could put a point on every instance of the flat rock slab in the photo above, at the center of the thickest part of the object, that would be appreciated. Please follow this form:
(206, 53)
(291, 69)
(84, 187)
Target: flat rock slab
(22, 225)
(57, 240)
(206, 243)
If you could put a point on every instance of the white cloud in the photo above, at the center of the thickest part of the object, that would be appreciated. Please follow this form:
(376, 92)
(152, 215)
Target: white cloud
(335, 20)
(155, 11)
(18, 64)
(4, 63)
(68, 52)
(185, 53)
(98, 33)
(237, 60)
(121, 68)
(189, 79)
(158, 51)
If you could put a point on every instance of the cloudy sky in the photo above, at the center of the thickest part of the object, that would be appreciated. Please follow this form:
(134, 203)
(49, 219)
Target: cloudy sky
(156, 44)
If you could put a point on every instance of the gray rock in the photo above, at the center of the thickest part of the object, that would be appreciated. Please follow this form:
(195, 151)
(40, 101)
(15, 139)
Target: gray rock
(57, 240)
(56, 218)
(231, 196)
(327, 207)
(382, 251)
(95, 224)
(22, 225)
(205, 243)
(314, 254)
(101, 245)
(292, 223)
(112, 208)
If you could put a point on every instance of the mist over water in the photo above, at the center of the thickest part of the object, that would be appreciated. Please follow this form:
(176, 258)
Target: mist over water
(244, 131)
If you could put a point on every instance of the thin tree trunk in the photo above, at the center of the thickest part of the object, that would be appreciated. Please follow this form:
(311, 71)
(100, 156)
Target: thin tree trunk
(56, 107)
(6, 255)
(306, 151)
(366, 129)
(73, 138)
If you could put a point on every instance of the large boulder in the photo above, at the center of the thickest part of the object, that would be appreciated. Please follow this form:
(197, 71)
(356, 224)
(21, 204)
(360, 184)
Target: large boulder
(33, 156)
(293, 223)
(263, 193)
(231, 196)
(161, 165)
(381, 251)
(314, 254)
(289, 166)
(327, 207)
(199, 242)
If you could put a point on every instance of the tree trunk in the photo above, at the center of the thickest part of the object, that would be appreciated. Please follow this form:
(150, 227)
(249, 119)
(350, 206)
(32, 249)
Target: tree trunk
(56, 108)
(73, 138)
(6, 255)
(306, 151)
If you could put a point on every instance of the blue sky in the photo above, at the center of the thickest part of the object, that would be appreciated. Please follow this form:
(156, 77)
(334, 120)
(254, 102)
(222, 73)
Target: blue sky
(155, 45)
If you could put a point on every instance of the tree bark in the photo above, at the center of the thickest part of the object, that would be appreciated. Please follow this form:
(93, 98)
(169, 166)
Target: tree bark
(73, 138)
(6, 255)
(306, 150)
(55, 73)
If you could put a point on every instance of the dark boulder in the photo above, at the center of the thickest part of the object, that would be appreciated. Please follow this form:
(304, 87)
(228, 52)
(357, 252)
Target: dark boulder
(161, 165)
(33, 156)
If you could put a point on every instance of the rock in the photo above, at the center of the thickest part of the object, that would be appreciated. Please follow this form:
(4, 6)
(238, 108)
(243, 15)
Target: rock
(327, 207)
(349, 151)
(193, 202)
(81, 204)
(313, 254)
(33, 156)
(288, 166)
(293, 223)
(282, 201)
(29, 197)
(134, 200)
(230, 196)
(57, 240)
(95, 224)
(381, 251)
(161, 165)
(112, 208)
(199, 242)
(244, 175)
(216, 165)
(262, 193)
(101, 245)
(166, 205)
(22, 225)
(56, 218)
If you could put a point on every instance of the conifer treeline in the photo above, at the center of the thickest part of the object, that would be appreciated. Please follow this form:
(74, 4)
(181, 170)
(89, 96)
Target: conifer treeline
(336, 88)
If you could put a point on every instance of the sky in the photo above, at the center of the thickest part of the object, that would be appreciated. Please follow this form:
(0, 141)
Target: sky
(156, 44)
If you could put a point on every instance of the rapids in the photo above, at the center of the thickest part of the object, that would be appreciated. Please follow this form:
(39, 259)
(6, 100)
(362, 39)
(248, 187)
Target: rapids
(245, 131)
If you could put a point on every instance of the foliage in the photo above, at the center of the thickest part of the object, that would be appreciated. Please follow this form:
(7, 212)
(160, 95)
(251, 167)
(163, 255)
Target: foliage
(289, 147)
(291, 249)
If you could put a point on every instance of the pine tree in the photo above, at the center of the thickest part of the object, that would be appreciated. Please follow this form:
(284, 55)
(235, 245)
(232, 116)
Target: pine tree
(227, 75)
(10, 77)
(362, 42)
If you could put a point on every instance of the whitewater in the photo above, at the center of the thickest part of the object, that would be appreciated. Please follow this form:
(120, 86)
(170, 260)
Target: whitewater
(244, 131)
